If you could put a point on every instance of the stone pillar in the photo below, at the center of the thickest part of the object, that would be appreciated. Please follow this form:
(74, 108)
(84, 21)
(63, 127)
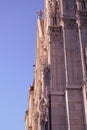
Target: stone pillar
(35, 122)
(84, 75)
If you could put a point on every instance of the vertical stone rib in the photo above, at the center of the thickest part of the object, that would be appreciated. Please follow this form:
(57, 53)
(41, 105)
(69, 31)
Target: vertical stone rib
(81, 50)
(67, 110)
(65, 57)
(66, 93)
(84, 76)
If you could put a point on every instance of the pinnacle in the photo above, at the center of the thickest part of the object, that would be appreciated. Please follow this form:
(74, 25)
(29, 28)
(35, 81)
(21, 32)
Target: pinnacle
(39, 13)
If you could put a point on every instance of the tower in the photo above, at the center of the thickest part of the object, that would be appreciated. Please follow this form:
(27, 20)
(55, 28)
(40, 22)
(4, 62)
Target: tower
(58, 96)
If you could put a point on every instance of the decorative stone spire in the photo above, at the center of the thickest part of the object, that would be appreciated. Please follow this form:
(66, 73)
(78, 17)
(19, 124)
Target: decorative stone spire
(39, 14)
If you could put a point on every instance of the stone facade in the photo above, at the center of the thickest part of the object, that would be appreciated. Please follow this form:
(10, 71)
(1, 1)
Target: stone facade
(58, 96)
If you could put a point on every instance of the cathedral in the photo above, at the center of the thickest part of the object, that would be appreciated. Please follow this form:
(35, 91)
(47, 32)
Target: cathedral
(58, 96)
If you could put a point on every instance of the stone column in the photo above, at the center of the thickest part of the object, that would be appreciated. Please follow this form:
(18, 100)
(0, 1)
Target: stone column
(84, 74)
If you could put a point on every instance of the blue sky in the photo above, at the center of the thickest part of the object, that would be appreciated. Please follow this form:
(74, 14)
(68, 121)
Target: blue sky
(17, 56)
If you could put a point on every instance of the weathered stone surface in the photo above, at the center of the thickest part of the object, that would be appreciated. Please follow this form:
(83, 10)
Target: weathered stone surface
(58, 96)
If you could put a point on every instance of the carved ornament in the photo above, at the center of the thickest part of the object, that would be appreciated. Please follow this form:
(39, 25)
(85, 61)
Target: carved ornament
(81, 15)
(43, 110)
(55, 33)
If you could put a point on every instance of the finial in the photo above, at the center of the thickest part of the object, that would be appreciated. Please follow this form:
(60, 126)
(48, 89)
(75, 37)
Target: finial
(39, 13)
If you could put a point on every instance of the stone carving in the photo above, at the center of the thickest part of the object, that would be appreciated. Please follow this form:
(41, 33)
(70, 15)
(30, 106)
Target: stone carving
(56, 9)
(46, 73)
(81, 5)
(51, 108)
(81, 15)
(43, 110)
(55, 5)
(55, 12)
(55, 33)
(81, 10)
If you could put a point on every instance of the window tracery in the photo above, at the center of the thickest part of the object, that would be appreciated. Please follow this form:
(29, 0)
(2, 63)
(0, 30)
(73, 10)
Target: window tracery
(55, 10)
(81, 5)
